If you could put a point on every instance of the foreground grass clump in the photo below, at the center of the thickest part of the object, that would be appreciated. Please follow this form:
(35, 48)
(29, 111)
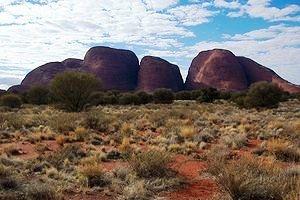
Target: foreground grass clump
(250, 179)
(150, 164)
(43, 191)
(94, 174)
(283, 150)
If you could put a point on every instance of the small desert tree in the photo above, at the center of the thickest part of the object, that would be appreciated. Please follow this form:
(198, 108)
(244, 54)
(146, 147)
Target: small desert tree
(38, 95)
(72, 89)
(208, 95)
(263, 94)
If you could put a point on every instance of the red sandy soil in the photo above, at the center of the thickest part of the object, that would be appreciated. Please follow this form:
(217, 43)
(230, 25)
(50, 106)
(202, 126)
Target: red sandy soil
(27, 150)
(198, 188)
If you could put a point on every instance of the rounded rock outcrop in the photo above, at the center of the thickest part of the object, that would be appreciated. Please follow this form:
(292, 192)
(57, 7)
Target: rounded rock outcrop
(158, 73)
(256, 72)
(44, 74)
(218, 69)
(117, 69)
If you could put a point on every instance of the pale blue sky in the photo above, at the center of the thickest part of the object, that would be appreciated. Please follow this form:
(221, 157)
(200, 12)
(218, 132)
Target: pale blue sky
(33, 32)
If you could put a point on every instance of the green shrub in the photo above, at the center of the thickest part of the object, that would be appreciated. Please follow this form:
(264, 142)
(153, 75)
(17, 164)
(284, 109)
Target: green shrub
(150, 164)
(208, 95)
(38, 95)
(163, 96)
(195, 94)
(225, 95)
(144, 97)
(72, 89)
(97, 98)
(183, 95)
(263, 94)
(11, 101)
(110, 99)
(238, 98)
(129, 99)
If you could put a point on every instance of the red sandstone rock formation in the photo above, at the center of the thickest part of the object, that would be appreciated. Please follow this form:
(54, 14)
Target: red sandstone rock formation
(117, 69)
(158, 73)
(222, 70)
(219, 69)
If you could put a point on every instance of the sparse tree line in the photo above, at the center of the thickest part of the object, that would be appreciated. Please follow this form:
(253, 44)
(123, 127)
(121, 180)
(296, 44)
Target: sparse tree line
(75, 91)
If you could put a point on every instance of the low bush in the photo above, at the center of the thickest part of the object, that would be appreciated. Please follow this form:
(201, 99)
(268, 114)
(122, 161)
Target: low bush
(183, 95)
(38, 95)
(208, 95)
(263, 94)
(163, 96)
(11, 101)
(110, 99)
(129, 99)
(97, 98)
(144, 97)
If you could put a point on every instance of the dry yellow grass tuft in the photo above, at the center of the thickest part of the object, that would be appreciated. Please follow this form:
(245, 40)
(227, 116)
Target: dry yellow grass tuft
(188, 131)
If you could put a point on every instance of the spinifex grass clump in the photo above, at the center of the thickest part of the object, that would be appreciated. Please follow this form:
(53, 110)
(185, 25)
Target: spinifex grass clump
(254, 179)
(151, 164)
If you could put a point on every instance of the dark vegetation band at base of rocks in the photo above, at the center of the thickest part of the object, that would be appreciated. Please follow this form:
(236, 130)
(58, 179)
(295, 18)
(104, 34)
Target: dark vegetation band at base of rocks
(77, 91)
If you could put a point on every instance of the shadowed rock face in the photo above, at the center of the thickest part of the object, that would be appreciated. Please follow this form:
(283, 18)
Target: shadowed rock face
(256, 72)
(158, 73)
(44, 74)
(2, 92)
(117, 69)
(222, 70)
(219, 69)
(18, 89)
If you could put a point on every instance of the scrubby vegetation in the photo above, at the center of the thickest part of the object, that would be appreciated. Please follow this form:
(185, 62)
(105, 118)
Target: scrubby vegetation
(38, 95)
(11, 101)
(150, 146)
(261, 95)
(254, 179)
(72, 89)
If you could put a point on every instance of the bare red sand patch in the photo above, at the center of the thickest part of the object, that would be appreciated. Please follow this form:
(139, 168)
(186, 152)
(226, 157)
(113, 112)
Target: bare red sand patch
(198, 188)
